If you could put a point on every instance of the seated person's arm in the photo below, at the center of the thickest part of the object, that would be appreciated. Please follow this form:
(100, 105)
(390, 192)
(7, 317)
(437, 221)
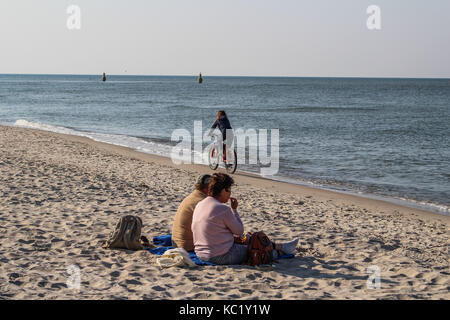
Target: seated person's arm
(233, 221)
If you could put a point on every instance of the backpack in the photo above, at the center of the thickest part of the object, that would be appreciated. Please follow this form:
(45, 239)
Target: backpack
(259, 249)
(126, 234)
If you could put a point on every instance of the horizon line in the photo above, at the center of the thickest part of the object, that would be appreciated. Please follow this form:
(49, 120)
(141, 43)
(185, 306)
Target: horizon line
(222, 76)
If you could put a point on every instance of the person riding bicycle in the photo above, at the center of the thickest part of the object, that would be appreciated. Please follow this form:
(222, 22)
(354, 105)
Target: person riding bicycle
(223, 123)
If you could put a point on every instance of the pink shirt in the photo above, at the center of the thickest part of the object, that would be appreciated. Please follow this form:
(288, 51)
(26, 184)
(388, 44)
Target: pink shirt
(213, 227)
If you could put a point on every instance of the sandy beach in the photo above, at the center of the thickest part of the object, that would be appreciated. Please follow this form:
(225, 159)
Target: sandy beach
(61, 196)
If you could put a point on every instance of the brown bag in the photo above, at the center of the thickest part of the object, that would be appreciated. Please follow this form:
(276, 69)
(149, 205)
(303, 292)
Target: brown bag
(259, 249)
(126, 234)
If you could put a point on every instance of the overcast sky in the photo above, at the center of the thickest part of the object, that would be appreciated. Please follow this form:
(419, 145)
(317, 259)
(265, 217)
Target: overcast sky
(321, 38)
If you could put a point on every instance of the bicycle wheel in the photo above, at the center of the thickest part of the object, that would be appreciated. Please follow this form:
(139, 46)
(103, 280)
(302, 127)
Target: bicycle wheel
(231, 166)
(213, 158)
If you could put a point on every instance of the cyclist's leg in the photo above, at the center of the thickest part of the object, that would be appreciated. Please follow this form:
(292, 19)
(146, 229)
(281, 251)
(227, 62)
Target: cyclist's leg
(224, 138)
(228, 142)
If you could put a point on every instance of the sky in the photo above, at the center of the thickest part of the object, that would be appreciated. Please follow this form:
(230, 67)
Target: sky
(321, 38)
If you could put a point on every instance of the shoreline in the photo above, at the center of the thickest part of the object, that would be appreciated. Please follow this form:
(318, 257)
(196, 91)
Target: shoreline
(98, 137)
(373, 201)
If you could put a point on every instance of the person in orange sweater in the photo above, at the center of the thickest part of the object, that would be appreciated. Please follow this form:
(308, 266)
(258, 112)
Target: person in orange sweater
(181, 231)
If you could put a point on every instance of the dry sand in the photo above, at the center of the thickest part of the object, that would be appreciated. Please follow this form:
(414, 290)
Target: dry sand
(61, 195)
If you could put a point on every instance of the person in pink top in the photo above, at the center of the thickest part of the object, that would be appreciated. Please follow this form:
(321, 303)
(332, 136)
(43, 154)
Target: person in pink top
(214, 226)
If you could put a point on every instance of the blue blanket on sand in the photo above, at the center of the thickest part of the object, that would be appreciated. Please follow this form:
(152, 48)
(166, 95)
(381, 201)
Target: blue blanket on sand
(165, 243)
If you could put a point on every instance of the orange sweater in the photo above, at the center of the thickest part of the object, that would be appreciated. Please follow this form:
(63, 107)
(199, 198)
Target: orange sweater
(181, 230)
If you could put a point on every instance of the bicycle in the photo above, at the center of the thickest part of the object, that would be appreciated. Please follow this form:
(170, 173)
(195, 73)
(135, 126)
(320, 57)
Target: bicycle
(214, 156)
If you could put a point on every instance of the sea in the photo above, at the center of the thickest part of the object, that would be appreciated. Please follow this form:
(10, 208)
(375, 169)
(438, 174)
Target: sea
(380, 138)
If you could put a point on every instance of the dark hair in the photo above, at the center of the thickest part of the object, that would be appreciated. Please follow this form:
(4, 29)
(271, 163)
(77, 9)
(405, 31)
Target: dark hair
(203, 182)
(221, 113)
(218, 182)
